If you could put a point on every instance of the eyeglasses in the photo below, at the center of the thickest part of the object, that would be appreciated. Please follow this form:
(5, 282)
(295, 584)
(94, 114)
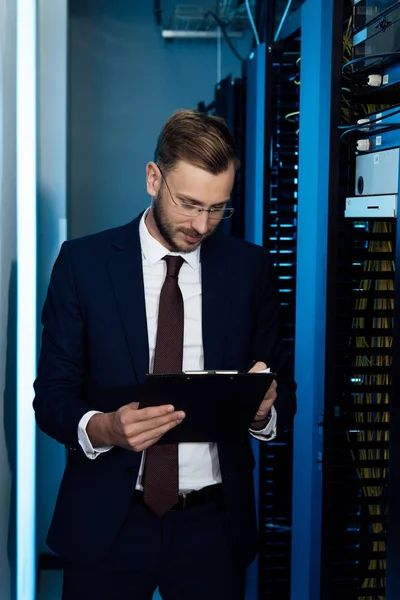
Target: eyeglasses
(193, 210)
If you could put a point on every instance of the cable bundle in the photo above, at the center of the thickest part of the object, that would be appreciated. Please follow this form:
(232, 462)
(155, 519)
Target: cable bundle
(373, 410)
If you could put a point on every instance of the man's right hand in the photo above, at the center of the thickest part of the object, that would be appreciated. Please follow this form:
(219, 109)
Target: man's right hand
(131, 427)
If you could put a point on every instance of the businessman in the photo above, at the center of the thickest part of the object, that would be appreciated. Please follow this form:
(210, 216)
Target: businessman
(165, 293)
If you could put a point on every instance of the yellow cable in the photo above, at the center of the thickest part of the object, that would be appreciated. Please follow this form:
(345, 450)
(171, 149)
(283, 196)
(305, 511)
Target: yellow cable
(380, 398)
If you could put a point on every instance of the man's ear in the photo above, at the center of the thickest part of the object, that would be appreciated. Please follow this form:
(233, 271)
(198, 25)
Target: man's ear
(153, 179)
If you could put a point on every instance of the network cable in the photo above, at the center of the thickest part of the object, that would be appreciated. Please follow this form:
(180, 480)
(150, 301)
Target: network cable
(225, 34)
(369, 57)
(366, 122)
(374, 131)
(253, 25)
(284, 16)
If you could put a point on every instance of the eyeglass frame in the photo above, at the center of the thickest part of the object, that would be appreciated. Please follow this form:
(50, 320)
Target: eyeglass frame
(200, 210)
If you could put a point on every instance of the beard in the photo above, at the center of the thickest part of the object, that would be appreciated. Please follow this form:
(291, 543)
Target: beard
(168, 231)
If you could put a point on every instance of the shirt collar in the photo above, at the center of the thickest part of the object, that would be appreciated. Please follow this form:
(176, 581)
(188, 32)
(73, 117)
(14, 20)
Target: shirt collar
(153, 251)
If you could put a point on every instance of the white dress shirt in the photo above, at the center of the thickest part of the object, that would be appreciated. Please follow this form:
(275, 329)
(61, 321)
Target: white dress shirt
(198, 462)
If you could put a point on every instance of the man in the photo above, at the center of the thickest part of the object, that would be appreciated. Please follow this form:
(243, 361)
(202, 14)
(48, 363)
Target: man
(160, 294)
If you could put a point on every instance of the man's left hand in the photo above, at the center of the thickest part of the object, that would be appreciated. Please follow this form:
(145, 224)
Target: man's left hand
(269, 398)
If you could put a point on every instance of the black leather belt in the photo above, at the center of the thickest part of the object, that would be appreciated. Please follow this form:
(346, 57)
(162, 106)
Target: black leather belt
(186, 500)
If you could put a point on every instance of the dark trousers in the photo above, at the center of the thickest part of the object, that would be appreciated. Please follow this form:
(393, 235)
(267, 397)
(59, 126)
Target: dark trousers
(186, 554)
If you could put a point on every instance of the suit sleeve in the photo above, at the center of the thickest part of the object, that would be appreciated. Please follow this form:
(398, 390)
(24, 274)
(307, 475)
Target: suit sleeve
(268, 346)
(58, 388)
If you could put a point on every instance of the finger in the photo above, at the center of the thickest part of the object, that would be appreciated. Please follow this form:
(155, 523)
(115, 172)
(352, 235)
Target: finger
(262, 414)
(271, 390)
(138, 427)
(270, 398)
(259, 366)
(263, 410)
(150, 412)
(160, 422)
(144, 446)
(147, 438)
(265, 405)
(270, 394)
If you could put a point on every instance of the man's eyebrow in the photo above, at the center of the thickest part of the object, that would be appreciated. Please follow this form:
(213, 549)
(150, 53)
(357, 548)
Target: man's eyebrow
(194, 201)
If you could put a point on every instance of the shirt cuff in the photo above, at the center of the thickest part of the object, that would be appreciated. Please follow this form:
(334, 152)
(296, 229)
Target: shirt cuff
(84, 440)
(269, 432)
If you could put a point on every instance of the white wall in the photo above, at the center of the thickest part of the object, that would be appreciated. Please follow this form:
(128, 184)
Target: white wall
(7, 296)
(124, 82)
(52, 150)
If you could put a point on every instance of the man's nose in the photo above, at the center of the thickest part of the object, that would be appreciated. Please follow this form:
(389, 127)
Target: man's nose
(200, 224)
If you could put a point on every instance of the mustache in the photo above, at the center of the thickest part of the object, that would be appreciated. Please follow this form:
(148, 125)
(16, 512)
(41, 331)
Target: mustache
(193, 234)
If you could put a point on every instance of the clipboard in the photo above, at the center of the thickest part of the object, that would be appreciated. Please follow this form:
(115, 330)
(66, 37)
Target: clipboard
(219, 406)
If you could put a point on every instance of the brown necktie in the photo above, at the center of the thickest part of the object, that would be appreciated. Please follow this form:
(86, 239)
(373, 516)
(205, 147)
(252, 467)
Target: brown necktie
(160, 477)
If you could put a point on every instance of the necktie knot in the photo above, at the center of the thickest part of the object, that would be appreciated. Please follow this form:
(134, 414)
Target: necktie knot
(174, 264)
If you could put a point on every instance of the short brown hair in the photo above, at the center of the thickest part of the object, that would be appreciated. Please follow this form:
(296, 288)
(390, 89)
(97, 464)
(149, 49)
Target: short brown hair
(199, 139)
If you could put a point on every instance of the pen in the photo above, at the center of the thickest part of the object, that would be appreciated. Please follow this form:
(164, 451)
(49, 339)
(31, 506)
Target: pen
(250, 366)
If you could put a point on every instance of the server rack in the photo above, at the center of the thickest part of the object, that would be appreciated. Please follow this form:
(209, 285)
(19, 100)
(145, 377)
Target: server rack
(359, 413)
(230, 104)
(280, 229)
(338, 532)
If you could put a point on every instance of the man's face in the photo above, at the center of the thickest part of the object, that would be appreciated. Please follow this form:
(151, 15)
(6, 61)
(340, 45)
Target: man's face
(186, 184)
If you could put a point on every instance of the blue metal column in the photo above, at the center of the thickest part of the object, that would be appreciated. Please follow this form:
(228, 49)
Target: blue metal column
(315, 109)
(254, 208)
(255, 113)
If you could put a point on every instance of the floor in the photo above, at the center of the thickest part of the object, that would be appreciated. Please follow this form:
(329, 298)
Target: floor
(50, 583)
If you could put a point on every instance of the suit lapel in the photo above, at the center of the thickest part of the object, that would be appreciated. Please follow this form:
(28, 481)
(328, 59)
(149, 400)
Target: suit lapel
(216, 300)
(126, 272)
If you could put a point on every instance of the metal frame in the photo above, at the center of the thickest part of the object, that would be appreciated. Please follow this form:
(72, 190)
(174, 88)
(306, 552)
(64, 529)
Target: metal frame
(187, 34)
(332, 225)
(315, 190)
(280, 175)
(318, 192)
(195, 22)
(393, 529)
(256, 69)
(255, 112)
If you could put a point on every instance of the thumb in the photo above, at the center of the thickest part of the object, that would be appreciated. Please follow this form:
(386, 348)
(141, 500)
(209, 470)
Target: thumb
(133, 405)
(259, 366)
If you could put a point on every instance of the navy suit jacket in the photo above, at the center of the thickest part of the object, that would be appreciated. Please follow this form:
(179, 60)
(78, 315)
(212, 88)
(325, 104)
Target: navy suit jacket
(95, 356)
